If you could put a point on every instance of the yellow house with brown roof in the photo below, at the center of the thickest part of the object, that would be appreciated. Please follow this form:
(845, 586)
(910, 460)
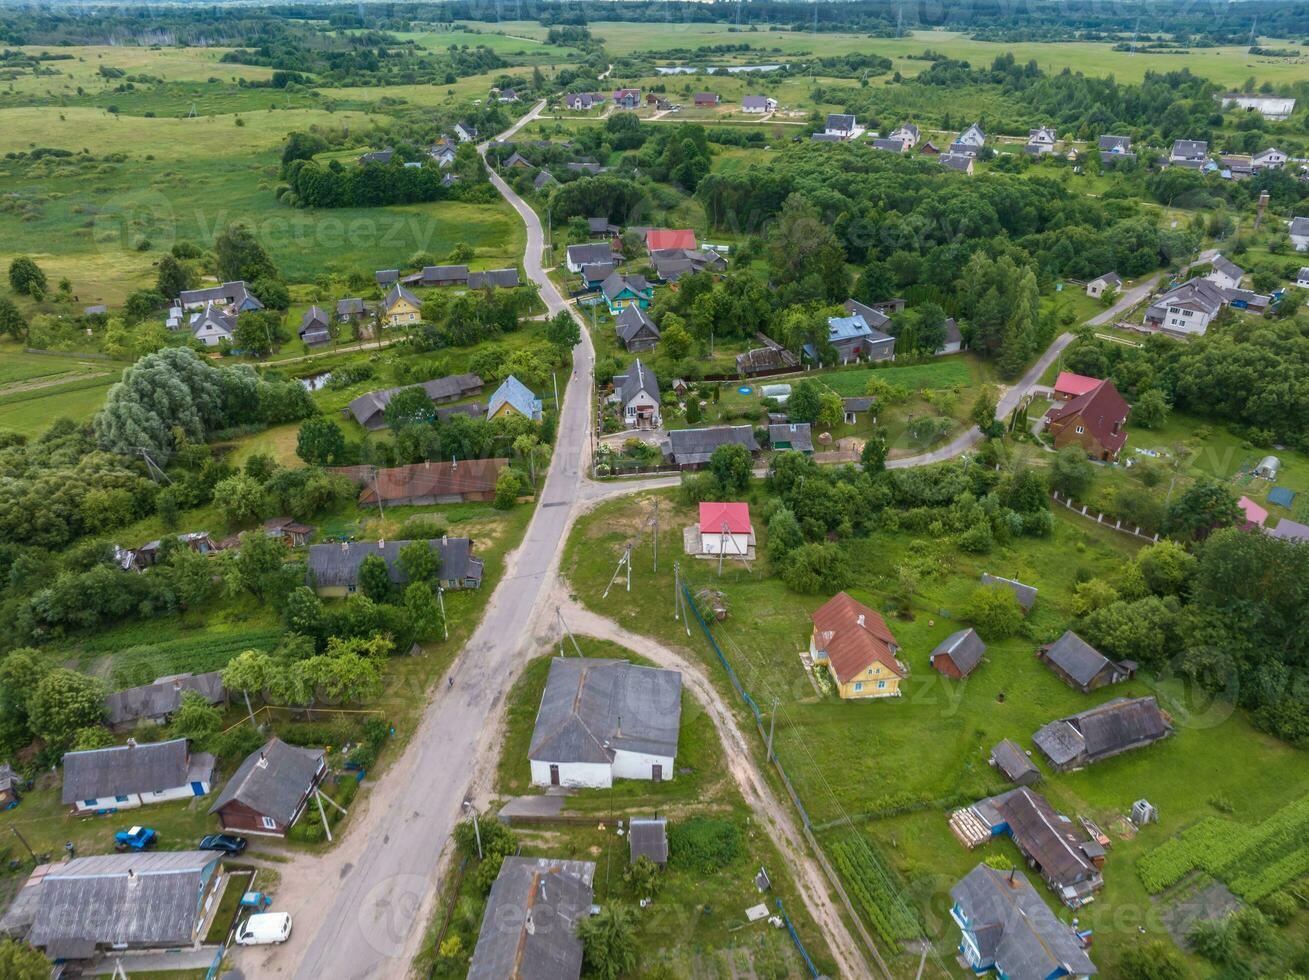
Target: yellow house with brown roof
(401, 307)
(858, 648)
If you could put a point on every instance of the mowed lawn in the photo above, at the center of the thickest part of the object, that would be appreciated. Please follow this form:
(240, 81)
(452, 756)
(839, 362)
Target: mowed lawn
(895, 769)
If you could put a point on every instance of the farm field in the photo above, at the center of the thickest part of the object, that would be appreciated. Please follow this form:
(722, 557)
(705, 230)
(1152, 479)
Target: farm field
(890, 772)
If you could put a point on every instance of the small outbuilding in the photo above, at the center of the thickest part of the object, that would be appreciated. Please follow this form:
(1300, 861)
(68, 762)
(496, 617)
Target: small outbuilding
(1268, 467)
(1082, 666)
(9, 795)
(958, 654)
(648, 837)
(1014, 764)
(1025, 594)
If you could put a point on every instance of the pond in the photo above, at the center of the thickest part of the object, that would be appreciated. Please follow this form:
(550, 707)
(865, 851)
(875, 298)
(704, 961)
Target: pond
(316, 382)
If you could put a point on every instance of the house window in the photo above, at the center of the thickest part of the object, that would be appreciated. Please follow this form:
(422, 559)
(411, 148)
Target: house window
(859, 686)
(268, 823)
(881, 685)
(1080, 429)
(350, 588)
(120, 799)
(88, 803)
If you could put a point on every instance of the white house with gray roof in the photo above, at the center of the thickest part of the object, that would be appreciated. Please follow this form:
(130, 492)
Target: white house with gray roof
(334, 566)
(1189, 153)
(602, 720)
(1006, 927)
(638, 396)
(1299, 231)
(122, 777)
(213, 325)
(1225, 273)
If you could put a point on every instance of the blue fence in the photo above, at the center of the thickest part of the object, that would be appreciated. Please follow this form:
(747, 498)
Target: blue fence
(813, 970)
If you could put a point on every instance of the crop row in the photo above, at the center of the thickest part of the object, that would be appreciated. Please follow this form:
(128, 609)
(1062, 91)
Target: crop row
(868, 886)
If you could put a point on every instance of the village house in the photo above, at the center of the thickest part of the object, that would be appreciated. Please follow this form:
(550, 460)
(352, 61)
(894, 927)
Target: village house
(671, 264)
(1193, 154)
(270, 789)
(1082, 666)
(595, 274)
(859, 649)
(970, 142)
(954, 338)
(1236, 166)
(1189, 308)
(122, 777)
(387, 277)
(431, 276)
(621, 291)
(213, 325)
(401, 307)
(155, 703)
(890, 145)
(690, 449)
(659, 239)
(377, 156)
(1115, 149)
(854, 338)
(443, 152)
(840, 126)
(595, 253)
(1013, 763)
(627, 98)
(958, 654)
(724, 528)
(705, 99)
(637, 390)
(636, 331)
(494, 279)
(791, 436)
(543, 180)
(647, 837)
(111, 904)
(1224, 273)
(369, 409)
(353, 310)
(1064, 856)
(1068, 386)
(1006, 928)
(1098, 286)
(514, 398)
(465, 132)
(1269, 159)
(1094, 421)
(333, 568)
(1091, 736)
(907, 134)
(758, 103)
(960, 162)
(315, 329)
(602, 720)
(583, 101)
(529, 928)
(426, 483)
(1273, 107)
(1041, 140)
(234, 296)
(1299, 231)
(1025, 594)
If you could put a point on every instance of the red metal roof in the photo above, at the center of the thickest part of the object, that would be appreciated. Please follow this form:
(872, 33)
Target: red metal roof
(735, 515)
(1254, 514)
(657, 238)
(855, 637)
(1073, 385)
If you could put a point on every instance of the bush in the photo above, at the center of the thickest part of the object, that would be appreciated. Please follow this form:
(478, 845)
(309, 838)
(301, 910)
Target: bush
(994, 611)
(703, 844)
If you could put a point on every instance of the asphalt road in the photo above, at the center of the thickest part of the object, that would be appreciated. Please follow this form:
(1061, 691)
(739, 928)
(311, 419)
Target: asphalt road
(382, 887)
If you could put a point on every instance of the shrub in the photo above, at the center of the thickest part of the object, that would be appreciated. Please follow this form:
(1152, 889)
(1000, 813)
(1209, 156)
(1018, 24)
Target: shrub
(703, 844)
(994, 611)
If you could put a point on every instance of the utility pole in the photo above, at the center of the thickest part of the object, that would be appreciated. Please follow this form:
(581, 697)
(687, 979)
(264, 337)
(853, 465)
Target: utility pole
(440, 600)
(566, 631)
(25, 844)
(554, 376)
(477, 830)
(624, 560)
(655, 539)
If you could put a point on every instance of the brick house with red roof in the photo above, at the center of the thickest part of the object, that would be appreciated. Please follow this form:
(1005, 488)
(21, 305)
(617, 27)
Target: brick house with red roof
(857, 646)
(1093, 420)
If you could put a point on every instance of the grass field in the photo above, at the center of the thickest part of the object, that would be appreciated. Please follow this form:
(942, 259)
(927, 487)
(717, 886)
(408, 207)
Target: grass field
(896, 768)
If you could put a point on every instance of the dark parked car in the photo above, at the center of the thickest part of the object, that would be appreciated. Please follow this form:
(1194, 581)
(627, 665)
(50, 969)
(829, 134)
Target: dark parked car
(227, 843)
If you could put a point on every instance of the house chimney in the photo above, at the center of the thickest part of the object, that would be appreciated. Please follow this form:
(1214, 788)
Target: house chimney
(131, 743)
(345, 546)
(381, 544)
(530, 924)
(263, 759)
(445, 539)
(132, 879)
(861, 619)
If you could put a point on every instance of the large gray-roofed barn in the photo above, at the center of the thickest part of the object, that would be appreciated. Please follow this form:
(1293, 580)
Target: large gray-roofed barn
(1113, 727)
(121, 900)
(529, 929)
(369, 408)
(692, 447)
(1082, 665)
(158, 700)
(593, 707)
(336, 564)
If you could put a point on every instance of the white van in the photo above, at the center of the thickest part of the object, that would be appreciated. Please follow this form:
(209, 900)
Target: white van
(267, 927)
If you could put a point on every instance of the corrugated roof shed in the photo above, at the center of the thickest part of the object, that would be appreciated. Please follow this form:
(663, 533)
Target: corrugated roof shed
(648, 837)
(1013, 762)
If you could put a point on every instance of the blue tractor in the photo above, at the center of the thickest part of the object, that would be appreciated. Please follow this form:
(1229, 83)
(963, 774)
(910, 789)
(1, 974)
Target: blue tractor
(135, 839)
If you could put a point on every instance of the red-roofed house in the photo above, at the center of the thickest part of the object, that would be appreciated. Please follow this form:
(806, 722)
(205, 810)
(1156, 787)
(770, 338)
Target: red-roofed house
(1069, 385)
(858, 648)
(1093, 420)
(725, 527)
(1254, 514)
(660, 238)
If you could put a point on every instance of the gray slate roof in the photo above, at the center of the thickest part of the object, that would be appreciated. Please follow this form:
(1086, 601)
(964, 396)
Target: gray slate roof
(1025, 594)
(1102, 731)
(648, 837)
(1013, 762)
(1076, 658)
(636, 379)
(798, 434)
(632, 321)
(397, 293)
(499, 278)
(366, 407)
(1190, 149)
(385, 277)
(275, 788)
(1111, 143)
(697, 445)
(337, 563)
(859, 403)
(162, 697)
(840, 120)
(94, 900)
(1016, 929)
(529, 929)
(590, 254)
(1227, 267)
(591, 708)
(124, 769)
(1300, 226)
(964, 647)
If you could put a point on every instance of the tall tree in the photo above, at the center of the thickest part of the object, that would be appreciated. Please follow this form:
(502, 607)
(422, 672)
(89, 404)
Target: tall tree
(240, 256)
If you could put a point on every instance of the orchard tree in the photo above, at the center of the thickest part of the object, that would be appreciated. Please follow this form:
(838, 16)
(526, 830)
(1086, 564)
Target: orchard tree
(994, 610)
(409, 406)
(674, 338)
(1071, 473)
(375, 578)
(609, 946)
(816, 569)
(1151, 409)
(562, 331)
(26, 278)
(11, 319)
(873, 454)
(982, 414)
(239, 498)
(1202, 508)
(194, 718)
(508, 486)
(424, 610)
(64, 702)
(320, 442)
(420, 561)
(731, 465)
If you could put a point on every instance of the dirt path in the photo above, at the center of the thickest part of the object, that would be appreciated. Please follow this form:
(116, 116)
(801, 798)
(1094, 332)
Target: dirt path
(50, 381)
(778, 820)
